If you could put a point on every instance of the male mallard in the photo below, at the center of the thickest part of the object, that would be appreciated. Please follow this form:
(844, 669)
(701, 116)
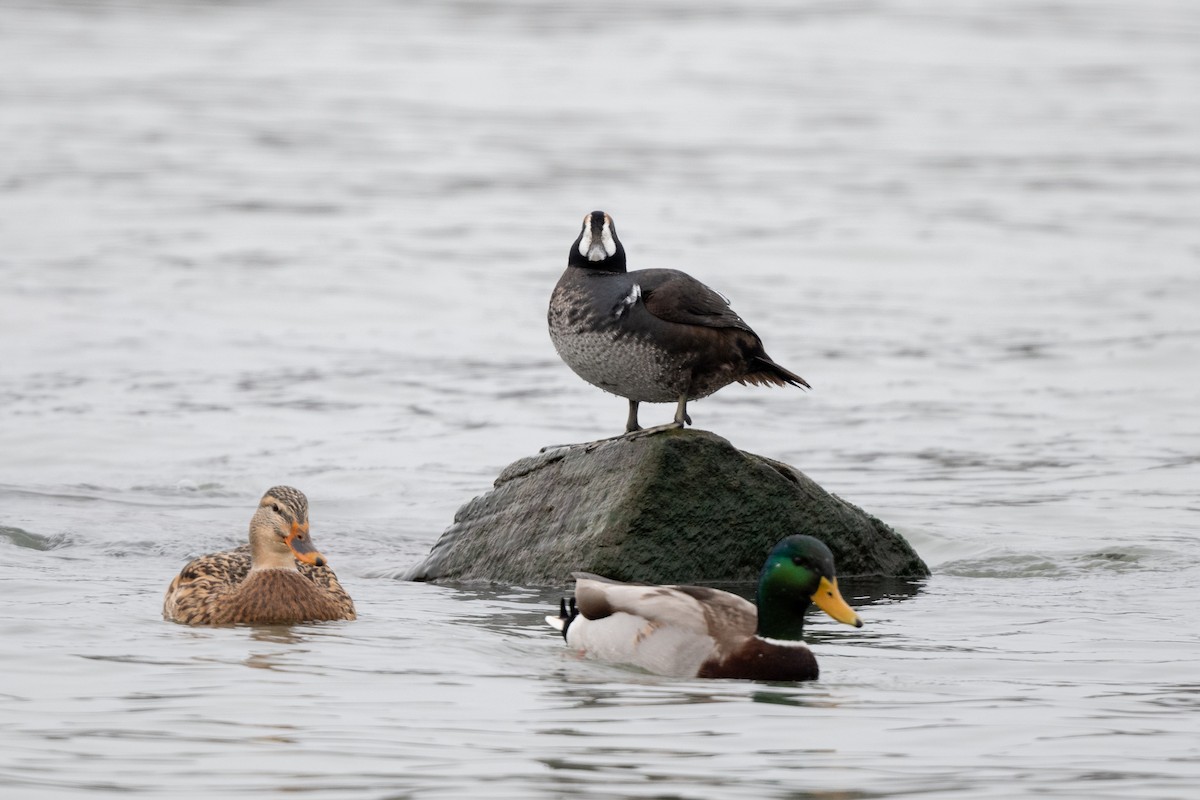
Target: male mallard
(699, 632)
(650, 336)
(261, 582)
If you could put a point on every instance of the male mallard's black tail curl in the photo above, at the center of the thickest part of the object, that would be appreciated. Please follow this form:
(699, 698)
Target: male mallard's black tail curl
(565, 616)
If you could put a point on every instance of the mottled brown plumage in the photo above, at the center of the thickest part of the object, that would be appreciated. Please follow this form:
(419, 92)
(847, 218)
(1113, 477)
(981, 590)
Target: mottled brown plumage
(278, 578)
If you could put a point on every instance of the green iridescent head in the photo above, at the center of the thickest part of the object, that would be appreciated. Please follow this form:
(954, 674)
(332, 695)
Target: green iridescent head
(798, 571)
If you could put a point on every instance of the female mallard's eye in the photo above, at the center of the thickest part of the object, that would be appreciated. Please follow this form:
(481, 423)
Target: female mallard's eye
(275, 507)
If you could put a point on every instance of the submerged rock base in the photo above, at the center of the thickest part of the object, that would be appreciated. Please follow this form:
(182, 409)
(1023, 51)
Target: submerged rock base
(675, 506)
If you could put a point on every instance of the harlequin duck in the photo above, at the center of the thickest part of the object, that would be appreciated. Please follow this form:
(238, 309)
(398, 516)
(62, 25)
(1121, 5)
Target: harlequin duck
(653, 335)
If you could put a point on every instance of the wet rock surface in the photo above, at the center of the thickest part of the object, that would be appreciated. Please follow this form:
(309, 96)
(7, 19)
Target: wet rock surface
(677, 506)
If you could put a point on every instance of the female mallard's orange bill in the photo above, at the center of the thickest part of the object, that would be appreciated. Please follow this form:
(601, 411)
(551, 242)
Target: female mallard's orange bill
(829, 599)
(302, 546)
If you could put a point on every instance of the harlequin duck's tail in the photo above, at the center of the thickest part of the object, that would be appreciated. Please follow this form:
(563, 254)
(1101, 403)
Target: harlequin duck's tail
(765, 372)
(565, 617)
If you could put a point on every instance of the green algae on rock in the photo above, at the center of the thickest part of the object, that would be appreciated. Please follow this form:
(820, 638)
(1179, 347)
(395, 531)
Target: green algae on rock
(676, 506)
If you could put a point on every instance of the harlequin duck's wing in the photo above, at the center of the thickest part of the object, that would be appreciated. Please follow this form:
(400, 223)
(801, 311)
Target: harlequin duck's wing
(675, 296)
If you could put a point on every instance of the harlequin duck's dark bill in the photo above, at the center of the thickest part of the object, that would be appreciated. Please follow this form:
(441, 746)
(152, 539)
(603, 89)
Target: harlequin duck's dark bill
(302, 546)
(598, 240)
(829, 599)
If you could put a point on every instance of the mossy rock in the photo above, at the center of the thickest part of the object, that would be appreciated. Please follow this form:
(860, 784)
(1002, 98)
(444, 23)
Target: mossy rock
(676, 506)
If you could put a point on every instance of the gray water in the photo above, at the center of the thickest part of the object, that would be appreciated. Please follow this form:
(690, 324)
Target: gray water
(244, 244)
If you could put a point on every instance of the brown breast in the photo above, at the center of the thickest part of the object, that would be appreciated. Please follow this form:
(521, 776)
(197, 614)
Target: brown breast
(761, 660)
(278, 597)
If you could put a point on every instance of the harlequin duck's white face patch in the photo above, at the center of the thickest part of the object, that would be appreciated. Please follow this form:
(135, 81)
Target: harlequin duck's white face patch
(597, 243)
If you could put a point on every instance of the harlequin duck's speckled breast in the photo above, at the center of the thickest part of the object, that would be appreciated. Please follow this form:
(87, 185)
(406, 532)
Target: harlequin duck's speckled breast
(603, 331)
(593, 331)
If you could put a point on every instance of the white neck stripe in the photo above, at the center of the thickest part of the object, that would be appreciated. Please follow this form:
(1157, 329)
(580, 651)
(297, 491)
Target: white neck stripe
(783, 642)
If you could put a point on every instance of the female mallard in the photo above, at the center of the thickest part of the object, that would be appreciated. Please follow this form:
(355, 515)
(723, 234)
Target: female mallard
(260, 582)
(698, 632)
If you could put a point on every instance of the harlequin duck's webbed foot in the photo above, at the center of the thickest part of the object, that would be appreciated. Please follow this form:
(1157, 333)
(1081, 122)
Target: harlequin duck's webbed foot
(681, 415)
(632, 429)
(681, 419)
(631, 423)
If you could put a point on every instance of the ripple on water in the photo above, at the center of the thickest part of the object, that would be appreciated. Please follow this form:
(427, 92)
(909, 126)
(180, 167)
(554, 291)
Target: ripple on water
(33, 541)
(312, 243)
(1013, 565)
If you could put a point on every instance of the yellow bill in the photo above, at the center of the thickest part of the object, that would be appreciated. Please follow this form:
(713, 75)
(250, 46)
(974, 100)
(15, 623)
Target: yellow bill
(829, 599)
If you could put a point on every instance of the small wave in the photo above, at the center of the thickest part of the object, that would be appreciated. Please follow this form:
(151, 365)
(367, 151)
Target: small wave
(1040, 565)
(1005, 566)
(33, 541)
(187, 486)
(1124, 559)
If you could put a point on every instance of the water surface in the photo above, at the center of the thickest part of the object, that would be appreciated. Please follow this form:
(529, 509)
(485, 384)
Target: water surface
(309, 243)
